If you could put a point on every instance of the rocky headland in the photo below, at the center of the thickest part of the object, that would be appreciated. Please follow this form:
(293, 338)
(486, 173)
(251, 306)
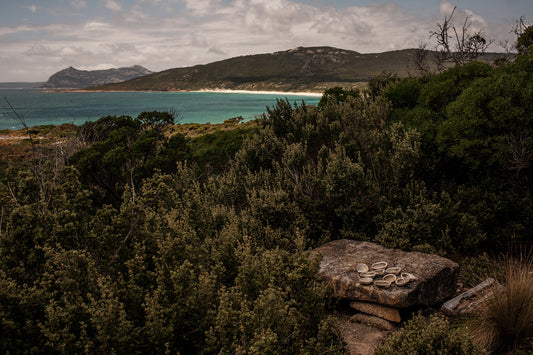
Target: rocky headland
(72, 78)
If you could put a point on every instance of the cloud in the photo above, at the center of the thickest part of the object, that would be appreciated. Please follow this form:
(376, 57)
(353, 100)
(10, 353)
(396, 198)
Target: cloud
(80, 4)
(216, 50)
(39, 50)
(97, 67)
(32, 8)
(462, 17)
(445, 8)
(202, 7)
(136, 14)
(113, 6)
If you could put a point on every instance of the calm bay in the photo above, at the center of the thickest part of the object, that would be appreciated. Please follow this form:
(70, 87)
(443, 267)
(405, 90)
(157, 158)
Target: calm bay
(39, 107)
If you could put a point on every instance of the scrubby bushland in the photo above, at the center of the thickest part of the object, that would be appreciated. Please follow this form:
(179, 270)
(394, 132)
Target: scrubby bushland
(150, 242)
(432, 336)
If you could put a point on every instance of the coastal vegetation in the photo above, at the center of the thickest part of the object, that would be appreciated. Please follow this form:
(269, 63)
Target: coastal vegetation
(132, 236)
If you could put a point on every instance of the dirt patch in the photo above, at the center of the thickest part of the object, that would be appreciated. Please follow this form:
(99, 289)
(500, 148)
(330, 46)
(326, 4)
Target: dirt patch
(360, 339)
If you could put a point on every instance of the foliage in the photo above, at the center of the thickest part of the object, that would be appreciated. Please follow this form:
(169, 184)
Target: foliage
(437, 336)
(506, 323)
(200, 243)
(477, 269)
(378, 84)
(525, 38)
(124, 150)
(336, 95)
(405, 94)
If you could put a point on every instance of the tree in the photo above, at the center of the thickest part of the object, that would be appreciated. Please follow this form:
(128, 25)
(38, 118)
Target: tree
(336, 95)
(523, 39)
(454, 46)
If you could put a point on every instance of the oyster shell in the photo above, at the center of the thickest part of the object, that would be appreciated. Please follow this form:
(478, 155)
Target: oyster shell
(379, 271)
(393, 270)
(368, 274)
(362, 268)
(409, 276)
(390, 278)
(402, 281)
(366, 281)
(379, 265)
(382, 283)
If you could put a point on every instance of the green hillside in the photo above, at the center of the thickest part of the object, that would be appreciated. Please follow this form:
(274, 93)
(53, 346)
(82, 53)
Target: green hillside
(298, 69)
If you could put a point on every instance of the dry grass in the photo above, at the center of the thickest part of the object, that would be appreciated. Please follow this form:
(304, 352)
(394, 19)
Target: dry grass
(505, 325)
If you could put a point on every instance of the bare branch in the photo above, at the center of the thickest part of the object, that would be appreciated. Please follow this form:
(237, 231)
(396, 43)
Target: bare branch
(420, 59)
(468, 46)
(522, 156)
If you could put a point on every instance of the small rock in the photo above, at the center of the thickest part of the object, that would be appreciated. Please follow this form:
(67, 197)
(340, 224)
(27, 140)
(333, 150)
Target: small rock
(470, 301)
(436, 277)
(385, 312)
(372, 320)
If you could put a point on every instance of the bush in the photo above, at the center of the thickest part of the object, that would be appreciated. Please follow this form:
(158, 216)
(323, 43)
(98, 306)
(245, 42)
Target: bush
(506, 323)
(437, 337)
(478, 268)
(404, 94)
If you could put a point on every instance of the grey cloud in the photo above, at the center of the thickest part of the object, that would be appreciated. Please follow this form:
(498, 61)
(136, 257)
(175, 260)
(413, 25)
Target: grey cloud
(39, 50)
(216, 50)
(79, 3)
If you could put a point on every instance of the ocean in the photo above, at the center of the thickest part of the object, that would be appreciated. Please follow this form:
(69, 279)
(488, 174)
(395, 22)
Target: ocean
(39, 107)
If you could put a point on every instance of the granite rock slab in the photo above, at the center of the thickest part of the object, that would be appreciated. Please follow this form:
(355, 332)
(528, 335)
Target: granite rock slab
(436, 277)
(378, 310)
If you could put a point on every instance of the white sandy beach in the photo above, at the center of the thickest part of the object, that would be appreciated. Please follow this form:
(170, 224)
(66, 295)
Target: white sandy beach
(225, 91)
(221, 91)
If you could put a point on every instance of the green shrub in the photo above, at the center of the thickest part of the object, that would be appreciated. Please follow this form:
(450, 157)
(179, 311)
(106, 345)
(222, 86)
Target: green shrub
(444, 87)
(404, 94)
(435, 337)
(476, 269)
(336, 96)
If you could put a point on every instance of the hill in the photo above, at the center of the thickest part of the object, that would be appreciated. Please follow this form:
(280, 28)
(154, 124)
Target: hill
(73, 78)
(298, 69)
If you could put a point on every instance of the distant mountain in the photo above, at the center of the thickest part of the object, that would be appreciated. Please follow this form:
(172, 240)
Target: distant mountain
(72, 78)
(298, 69)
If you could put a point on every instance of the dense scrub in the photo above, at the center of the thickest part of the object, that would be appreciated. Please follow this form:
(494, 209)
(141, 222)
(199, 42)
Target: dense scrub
(146, 243)
(434, 336)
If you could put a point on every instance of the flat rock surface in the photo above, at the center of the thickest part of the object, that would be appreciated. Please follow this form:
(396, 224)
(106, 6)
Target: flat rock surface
(372, 321)
(436, 276)
(378, 310)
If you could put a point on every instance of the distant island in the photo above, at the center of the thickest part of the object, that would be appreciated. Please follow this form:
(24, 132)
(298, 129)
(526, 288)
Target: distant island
(72, 78)
(302, 69)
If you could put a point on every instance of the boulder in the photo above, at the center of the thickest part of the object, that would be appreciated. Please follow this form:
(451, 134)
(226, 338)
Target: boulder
(378, 310)
(470, 301)
(436, 277)
(372, 321)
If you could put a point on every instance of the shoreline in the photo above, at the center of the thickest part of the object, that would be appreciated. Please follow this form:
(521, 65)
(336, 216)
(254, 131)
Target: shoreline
(259, 92)
(213, 91)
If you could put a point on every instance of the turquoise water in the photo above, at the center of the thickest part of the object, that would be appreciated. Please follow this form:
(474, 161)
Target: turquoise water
(40, 107)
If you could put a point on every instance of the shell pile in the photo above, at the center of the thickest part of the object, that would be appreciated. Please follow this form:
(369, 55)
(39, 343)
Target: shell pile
(388, 275)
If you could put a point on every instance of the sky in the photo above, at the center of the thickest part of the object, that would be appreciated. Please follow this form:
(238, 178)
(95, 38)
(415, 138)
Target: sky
(41, 37)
